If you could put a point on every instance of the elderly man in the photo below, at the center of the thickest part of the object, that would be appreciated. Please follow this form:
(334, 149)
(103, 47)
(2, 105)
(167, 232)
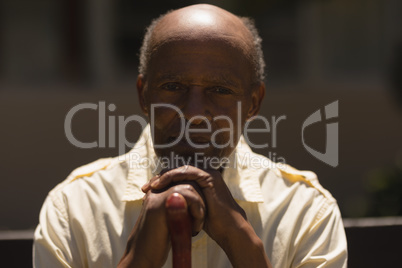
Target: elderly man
(200, 82)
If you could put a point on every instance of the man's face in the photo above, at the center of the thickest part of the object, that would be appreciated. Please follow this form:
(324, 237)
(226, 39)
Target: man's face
(210, 82)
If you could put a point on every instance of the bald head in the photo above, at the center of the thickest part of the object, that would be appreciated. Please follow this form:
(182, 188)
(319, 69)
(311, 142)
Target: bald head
(202, 23)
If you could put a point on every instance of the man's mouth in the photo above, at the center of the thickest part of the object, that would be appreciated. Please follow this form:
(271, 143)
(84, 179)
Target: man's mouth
(191, 139)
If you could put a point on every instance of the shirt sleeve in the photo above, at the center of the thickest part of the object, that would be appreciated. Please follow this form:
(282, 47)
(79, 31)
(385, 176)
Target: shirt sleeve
(324, 242)
(52, 239)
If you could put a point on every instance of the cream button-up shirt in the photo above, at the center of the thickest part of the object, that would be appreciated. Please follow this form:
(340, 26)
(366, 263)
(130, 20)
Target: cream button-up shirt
(86, 220)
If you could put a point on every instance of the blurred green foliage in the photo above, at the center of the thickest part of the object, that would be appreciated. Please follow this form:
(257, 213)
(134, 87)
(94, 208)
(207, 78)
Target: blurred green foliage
(385, 192)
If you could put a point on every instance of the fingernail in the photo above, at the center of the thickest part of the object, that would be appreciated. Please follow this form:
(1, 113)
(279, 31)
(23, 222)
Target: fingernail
(145, 186)
(155, 183)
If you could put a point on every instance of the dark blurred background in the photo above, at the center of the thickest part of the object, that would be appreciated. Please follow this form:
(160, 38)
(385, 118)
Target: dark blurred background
(57, 54)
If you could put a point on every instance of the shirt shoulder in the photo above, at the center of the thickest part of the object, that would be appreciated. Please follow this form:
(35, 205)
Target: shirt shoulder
(88, 173)
(275, 180)
(297, 194)
(306, 177)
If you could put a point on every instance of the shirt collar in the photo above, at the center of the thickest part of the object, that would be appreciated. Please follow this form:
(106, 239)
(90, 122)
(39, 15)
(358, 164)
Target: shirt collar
(141, 162)
(240, 177)
(242, 182)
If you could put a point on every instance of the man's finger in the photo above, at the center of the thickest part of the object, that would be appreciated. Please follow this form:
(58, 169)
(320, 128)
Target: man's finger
(147, 186)
(186, 173)
(197, 211)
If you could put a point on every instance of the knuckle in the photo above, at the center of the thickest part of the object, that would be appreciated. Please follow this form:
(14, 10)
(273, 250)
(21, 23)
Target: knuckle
(197, 199)
(185, 186)
(184, 168)
(153, 203)
(183, 189)
(179, 188)
(168, 173)
(203, 175)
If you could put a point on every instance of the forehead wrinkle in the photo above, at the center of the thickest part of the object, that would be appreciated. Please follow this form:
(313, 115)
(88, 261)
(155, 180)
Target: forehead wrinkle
(232, 40)
(214, 79)
(225, 40)
(222, 78)
(169, 77)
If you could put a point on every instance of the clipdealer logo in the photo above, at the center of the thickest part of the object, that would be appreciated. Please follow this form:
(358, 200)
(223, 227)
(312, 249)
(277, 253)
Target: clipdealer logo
(107, 124)
(331, 154)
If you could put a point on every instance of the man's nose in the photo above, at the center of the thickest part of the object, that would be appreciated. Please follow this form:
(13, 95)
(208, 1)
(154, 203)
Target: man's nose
(196, 107)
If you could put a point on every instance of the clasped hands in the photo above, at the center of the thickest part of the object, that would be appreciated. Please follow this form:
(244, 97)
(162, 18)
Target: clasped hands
(210, 204)
(204, 190)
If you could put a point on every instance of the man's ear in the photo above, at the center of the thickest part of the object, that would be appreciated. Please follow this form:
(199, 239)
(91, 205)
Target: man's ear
(141, 93)
(257, 95)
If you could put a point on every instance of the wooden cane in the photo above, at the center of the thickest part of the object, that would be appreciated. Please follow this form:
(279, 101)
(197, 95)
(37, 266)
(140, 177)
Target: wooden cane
(180, 228)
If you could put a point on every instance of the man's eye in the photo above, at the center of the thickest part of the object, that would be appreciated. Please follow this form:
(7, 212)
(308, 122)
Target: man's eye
(171, 86)
(222, 90)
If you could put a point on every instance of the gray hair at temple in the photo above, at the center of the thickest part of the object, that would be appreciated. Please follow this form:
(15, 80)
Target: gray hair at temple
(257, 54)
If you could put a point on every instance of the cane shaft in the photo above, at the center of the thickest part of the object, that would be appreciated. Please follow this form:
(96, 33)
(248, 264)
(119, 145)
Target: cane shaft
(180, 228)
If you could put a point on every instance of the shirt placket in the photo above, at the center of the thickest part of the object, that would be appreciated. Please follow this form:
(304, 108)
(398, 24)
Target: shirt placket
(199, 251)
